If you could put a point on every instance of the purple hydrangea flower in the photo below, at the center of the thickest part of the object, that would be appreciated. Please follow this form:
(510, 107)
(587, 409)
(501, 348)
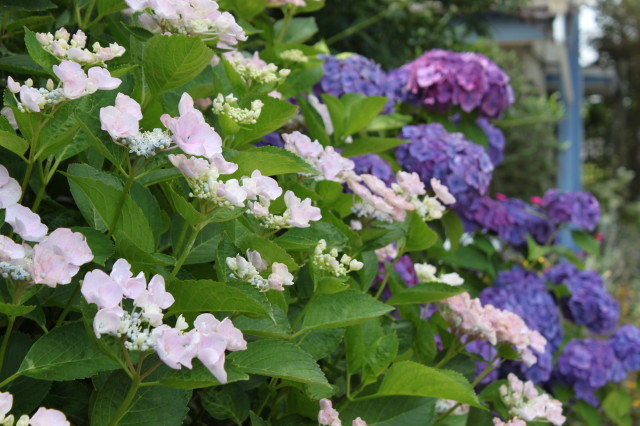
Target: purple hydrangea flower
(487, 352)
(357, 74)
(496, 140)
(578, 208)
(512, 219)
(587, 365)
(442, 79)
(404, 268)
(589, 304)
(374, 164)
(524, 293)
(626, 345)
(461, 165)
(273, 139)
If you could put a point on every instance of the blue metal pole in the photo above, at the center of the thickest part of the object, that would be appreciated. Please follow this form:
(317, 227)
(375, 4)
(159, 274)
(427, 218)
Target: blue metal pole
(571, 130)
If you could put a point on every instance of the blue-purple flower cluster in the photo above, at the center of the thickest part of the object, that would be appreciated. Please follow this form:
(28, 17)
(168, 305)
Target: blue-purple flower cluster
(524, 293)
(357, 74)
(512, 219)
(496, 140)
(578, 208)
(441, 79)
(589, 303)
(373, 164)
(461, 165)
(626, 345)
(588, 364)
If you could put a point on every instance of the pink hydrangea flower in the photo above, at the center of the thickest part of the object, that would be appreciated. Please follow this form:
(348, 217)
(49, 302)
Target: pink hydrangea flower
(6, 402)
(107, 321)
(101, 289)
(191, 167)
(10, 191)
(59, 256)
(280, 276)
(175, 348)
(442, 192)
(101, 78)
(328, 415)
(31, 98)
(13, 86)
(121, 120)
(9, 250)
(25, 223)
(358, 422)
(300, 212)
(411, 183)
(261, 186)
(301, 144)
(208, 324)
(121, 274)
(513, 422)
(48, 417)
(210, 352)
(74, 80)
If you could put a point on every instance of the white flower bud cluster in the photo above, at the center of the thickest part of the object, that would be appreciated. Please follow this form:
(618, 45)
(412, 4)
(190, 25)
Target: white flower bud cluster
(294, 55)
(148, 143)
(14, 272)
(427, 274)
(329, 261)
(138, 332)
(429, 208)
(64, 46)
(255, 70)
(227, 106)
(35, 99)
(248, 269)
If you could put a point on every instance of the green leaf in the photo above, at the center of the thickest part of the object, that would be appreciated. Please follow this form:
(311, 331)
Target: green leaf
(342, 309)
(99, 139)
(66, 353)
(31, 5)
(320, 343)
(40, 56)
(370, 145)
(211, 296)
(181, 205)
(300, 81)
(106, 7)
(453, 228)
(275, 114)
(424, 293)
(275, 358)
(97, 194)
(127, 248)
(152, 405)
(229, 402)
(13, 143)
(419, 235)
(362, 111)
(59, 130)
(171, 61)
(270, 251)
(21, 64)
(391, 411)
(412, 379)
(388, 122)
(298, 31)
(199, 376)
(247, 9)
(270, 160)
(586, 242)
(313, 120)
(15, 310)
(303, 238)
(100, 245)
(617, 406)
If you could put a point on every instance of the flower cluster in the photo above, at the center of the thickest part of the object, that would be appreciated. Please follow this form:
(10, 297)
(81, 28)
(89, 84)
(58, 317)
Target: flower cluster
(511, 422)
(373, 164)
(42, 417)
(65, 46)
(253, 69)
(578, 208)
(427, 274)
(589, 304)
(190, 17)
(142, 329)
(512, 219)
(587, 365)
(294, 55)
(356, 74)
(626, 345)
(228, 107)
(248, 269)
(496, 140)
(494, 325)
(329, 416)
(463, 166)
(122, 123)
(525, 402)
(55, 259)
(441, 79)
(329, 261)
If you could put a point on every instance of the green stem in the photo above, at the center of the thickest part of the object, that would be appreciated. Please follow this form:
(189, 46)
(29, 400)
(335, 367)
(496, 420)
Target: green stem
(123, 198)
(67, 307)
(288, 15)
(41, 190)
(185, 251)
(357, 27)
(10, 379)
(387, 274)
(133, 389)
(452, 351)
(87, 15)
(5, 339)
(272, 390)
(27, 177)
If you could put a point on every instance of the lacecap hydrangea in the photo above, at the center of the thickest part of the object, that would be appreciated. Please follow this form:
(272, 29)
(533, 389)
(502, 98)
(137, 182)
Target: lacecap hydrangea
(461, 165)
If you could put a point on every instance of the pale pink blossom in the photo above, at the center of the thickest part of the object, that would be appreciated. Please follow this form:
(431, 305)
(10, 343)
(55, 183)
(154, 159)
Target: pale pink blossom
(323, 111)
(48, 417)
(59, 256)
(107, 321)
(300, 212)
(208, 324)
(153, 300)
(210, 352)
(25, 223)
(280, 276)
(442, 192)
(62, 34)
(334, 166)
(10, 191)
(12, 85)
(75, 54)
(386, 253)
(358, 422)
(233, 192)
(74, 80)
(513, 422)
(128, 105)
(256, 260)
(6, 402)
(101, 289)
(117, 123)
(191, 167)
(103, 79)
(31, 98)
(10, 250)
(80, 38)
(300, 144)
(121, 274)
(175, 348)
(328, 415)
(275, 94)
(262, 186)
(223, 166)
(8, 113)
(410, 183)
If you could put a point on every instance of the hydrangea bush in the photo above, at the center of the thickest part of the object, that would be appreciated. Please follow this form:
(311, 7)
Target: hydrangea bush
(198, 232)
